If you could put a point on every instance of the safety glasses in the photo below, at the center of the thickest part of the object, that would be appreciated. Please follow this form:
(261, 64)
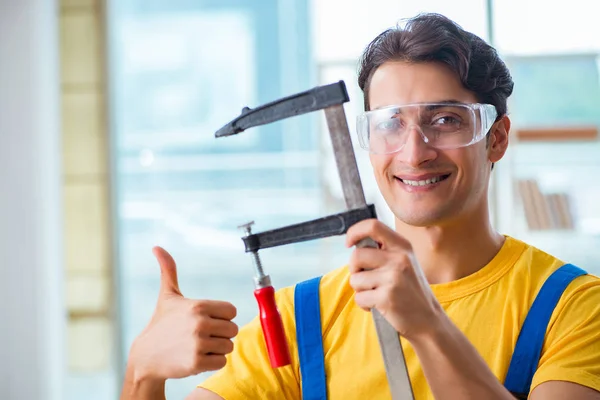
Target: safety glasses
(447, 125)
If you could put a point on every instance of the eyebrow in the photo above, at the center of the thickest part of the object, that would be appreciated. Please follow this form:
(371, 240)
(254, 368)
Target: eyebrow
(437, 104)
(434, 105)
(440, 104)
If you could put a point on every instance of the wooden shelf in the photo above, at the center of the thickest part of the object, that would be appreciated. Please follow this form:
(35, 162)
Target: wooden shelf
(558, 134)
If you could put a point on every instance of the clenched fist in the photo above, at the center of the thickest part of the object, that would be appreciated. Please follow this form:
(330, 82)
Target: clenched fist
(184, 337)
(389, 279)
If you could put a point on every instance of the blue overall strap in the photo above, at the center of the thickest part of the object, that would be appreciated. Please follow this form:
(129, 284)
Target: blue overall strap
(528, 349)
(310, 340)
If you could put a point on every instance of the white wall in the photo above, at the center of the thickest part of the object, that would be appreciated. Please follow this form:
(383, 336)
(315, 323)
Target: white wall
(31, 309)
(342, 28)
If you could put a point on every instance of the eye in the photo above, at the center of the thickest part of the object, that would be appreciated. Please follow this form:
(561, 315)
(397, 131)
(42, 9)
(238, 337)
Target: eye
(388, 125)
(446, 121)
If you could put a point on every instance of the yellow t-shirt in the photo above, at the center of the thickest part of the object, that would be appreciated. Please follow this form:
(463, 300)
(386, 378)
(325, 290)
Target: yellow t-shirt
(488, 306)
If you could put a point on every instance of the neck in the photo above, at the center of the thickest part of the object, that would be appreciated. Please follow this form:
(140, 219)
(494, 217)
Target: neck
(456, 249)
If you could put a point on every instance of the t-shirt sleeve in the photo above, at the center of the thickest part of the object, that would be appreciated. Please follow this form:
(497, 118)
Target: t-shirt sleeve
(571, 351)
(248, 373)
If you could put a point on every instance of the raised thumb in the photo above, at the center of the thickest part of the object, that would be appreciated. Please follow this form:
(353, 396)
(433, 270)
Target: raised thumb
(168, 272)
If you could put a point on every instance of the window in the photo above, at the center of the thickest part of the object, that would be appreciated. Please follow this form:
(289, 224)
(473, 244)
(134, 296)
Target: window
(179, 71)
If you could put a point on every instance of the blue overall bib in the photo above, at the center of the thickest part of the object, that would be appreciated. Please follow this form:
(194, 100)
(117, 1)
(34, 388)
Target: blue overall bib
(522, 366)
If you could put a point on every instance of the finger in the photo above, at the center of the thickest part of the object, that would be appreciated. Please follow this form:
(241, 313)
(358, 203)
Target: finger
(168, 272)
(212, 345)
(366, 259)
(367, 299)
(367, 280)
(213, 362)
(378, 231)
(222, 329)
(216, 309)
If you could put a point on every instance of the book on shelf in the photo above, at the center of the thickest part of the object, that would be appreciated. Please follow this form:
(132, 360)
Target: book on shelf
(544, 211)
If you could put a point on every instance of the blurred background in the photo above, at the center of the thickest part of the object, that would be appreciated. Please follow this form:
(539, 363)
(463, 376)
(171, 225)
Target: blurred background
(107, 117)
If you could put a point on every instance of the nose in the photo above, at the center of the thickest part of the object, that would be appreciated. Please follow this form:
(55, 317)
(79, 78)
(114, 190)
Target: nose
(416, 151)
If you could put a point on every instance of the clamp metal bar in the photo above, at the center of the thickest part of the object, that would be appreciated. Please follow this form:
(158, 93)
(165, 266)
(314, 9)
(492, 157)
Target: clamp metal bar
(290, 106)
(389, 340)
(332, 225)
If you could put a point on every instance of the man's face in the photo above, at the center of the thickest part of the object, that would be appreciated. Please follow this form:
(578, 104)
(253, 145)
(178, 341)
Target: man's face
(465, 171)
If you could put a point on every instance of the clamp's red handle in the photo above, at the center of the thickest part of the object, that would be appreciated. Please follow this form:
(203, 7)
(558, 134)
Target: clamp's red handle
(272, 326)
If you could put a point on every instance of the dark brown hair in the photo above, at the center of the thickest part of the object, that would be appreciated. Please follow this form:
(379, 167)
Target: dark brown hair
(435, 38)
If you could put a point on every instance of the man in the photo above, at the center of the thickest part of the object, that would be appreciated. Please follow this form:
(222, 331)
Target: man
(456, 291)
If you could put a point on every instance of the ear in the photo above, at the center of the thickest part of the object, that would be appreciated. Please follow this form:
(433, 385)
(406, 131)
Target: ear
(498, 141)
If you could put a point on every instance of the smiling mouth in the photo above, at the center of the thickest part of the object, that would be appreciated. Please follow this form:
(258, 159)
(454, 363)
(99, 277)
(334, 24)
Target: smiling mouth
(424, 182)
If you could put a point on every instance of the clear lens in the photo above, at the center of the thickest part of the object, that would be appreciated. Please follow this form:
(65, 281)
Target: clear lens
(440, 125)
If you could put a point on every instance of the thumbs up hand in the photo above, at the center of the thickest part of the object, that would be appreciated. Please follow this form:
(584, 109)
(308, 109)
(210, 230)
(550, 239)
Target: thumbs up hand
(184, 337)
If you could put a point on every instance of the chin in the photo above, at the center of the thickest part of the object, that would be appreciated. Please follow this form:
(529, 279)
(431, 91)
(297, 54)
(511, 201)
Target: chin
(424, 222)
(420, 218)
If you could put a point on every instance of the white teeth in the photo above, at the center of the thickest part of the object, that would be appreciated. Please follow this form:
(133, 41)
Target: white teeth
(423, 183)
